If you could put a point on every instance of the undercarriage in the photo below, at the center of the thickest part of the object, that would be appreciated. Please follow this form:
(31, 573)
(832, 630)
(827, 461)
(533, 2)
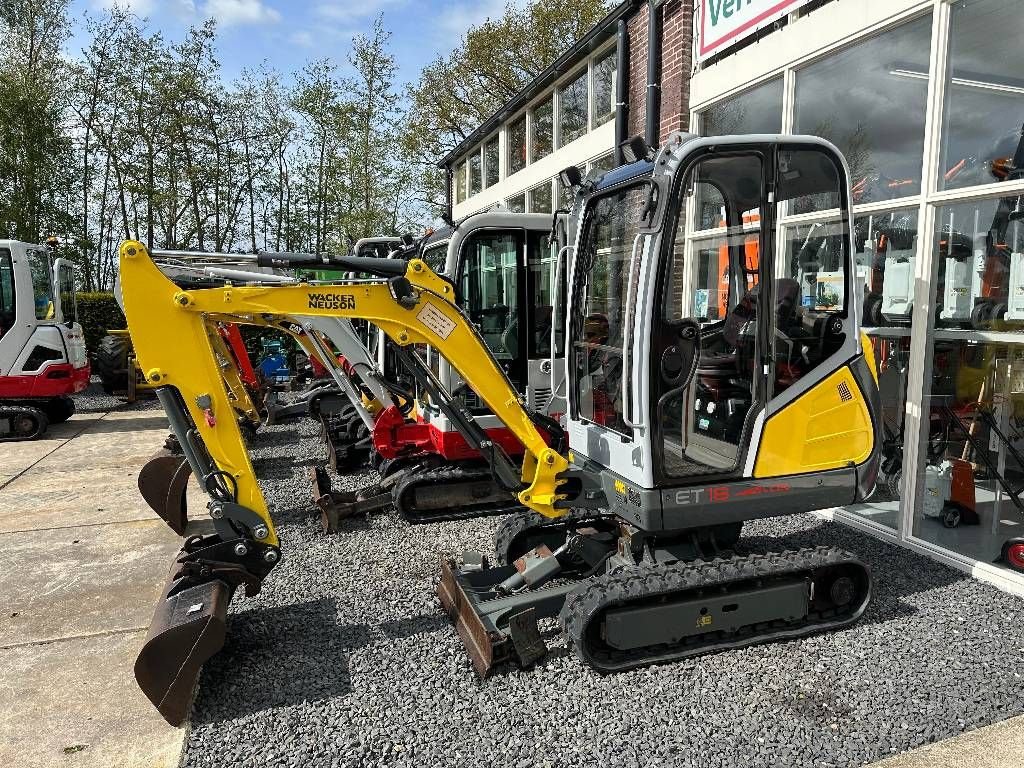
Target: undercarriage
(627, 599)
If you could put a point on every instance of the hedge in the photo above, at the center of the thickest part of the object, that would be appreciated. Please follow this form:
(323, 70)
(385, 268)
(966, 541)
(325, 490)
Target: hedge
(98, 313)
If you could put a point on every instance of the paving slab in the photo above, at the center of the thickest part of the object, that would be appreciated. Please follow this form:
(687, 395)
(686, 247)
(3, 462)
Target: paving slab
(81, 581)
(994, 746)
(75, 703)
(105, 450)
(15, 458)
(141, 421)
(43, 498)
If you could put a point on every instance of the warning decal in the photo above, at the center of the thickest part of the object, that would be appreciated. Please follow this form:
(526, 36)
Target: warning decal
(435, 320)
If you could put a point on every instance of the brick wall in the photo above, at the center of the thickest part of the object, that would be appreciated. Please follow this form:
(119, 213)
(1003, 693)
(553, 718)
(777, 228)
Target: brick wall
(676, 65)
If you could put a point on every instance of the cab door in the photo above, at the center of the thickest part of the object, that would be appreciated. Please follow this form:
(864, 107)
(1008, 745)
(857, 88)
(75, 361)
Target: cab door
(708, 377)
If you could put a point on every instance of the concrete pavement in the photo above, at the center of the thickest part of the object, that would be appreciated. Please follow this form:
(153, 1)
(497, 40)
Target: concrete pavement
(84, 562)
(1000, 745)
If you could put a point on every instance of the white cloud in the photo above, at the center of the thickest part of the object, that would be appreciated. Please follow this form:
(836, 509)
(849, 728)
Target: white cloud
(138, 7)
(231, 12)
(301, 39)
(348, 11)
(456, 18)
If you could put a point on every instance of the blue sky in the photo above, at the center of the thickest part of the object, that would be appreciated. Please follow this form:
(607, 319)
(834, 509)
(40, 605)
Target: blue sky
(287, 33)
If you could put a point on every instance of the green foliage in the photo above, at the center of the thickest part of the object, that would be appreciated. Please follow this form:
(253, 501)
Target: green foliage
(98, 313)
(458, 91)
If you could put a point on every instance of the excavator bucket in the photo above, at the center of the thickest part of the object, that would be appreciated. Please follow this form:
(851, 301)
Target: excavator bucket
(188, 628)
(163, 481)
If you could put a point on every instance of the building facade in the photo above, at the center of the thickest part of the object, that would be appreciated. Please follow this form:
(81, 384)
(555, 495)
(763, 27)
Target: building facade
(572, 113)
(927, 105)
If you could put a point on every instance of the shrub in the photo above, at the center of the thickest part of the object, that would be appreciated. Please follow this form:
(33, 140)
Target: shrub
(98, 313)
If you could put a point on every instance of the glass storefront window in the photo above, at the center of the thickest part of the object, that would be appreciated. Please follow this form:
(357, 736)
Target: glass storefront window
(542, 130)
(886, 255)
(460, 182)
(984, 108)
(540, 198)
(758, 110)
(979, 249)
(517, 203)
(491, 169)
(572, 109)
(971, 460)
(603, 90)
(517, 145)
(475, 173)
(877, 117)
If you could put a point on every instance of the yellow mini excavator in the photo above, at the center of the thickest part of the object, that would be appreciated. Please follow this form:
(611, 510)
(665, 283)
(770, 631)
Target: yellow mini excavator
(712, 379)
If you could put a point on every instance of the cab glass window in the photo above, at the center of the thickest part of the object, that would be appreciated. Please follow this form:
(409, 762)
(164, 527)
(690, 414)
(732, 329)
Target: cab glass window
(68, 297)
(490, 290)
(42, 284)
(612, 225)
(540, 273)
(6, 291)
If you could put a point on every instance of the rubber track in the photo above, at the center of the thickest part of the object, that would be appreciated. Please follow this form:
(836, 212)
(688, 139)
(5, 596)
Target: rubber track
(13, 411)
(446, 476)
(589, 602)
(522, 520)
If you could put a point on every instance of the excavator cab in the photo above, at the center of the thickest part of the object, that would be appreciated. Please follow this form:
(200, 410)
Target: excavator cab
(671, 387)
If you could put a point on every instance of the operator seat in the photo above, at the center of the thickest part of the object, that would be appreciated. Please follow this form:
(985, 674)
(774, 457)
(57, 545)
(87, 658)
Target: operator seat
(725, 363)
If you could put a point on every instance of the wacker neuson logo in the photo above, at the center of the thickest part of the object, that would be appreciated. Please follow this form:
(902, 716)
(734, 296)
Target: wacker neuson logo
(331, 301)
(725, 22)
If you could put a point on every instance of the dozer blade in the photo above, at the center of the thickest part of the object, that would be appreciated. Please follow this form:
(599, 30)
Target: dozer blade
(335, 506)
(163, 481)
(478, 641)
(188, 628)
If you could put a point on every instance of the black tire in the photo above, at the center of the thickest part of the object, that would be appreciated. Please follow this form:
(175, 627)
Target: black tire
(111, 363)
(951, 516)
(873, 310)
(58, 410)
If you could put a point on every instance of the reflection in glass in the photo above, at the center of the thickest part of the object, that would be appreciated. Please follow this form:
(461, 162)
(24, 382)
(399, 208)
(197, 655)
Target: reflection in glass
(984, 110)
(980, 254)
(886, 255)
(460, 182)
(877, 117)
(603, 163)
(475, 173)
(572, 109)
(491, 170)
(517, 203)
(598, 327)
(758, 110)
(517, 145)
(542, 130)
(540, 198)
(973, 465)
(604, 90)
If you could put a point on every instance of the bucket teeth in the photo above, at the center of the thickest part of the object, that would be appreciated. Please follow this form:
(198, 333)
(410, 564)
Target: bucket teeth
(163, 481)
(188, 628)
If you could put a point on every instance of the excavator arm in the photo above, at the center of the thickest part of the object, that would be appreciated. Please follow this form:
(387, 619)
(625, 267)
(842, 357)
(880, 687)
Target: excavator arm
(417, 308)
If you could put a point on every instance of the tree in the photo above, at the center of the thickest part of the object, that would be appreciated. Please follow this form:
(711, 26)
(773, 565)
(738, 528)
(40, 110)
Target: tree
(493, 61)
(36, 165)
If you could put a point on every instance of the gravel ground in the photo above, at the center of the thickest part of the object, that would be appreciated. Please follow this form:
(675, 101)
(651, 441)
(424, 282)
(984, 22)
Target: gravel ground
(95, 400)
(344, 659)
